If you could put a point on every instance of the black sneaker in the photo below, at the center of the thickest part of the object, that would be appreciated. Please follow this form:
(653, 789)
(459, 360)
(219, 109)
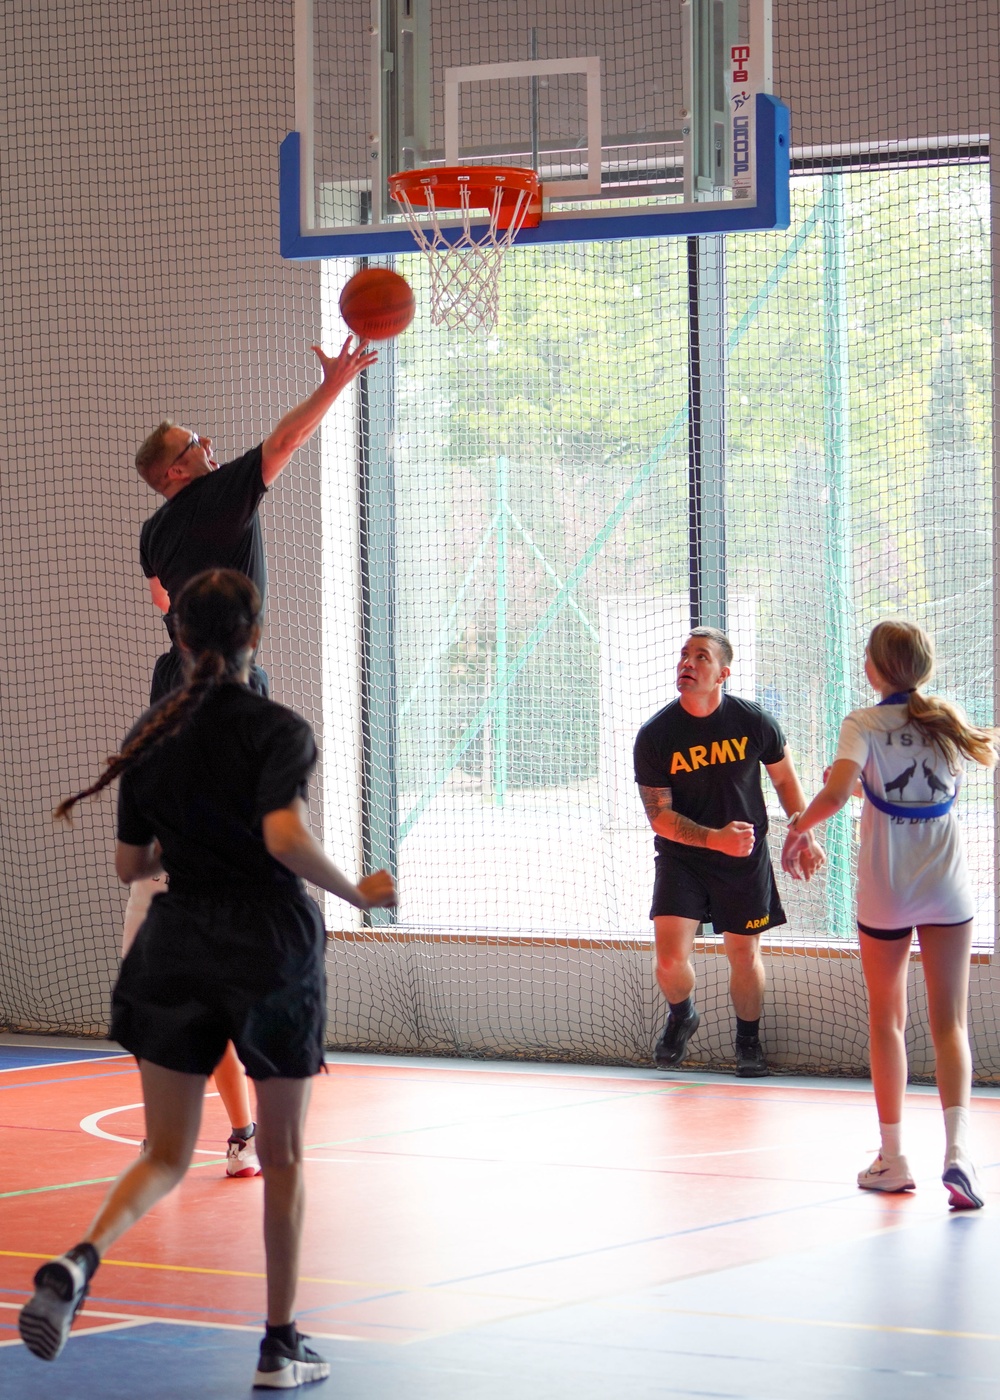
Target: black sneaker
(60, 1288)
(750, 1062)
(283, 1367)
(669, 1049)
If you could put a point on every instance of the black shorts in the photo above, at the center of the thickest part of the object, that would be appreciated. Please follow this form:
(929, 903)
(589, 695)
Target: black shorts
(892, 935)
(205, 970)
(735, 894)
(168, 674)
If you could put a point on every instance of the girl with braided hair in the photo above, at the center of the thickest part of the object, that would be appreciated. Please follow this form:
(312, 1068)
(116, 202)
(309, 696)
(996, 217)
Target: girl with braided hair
(213, 786)
(908, 752)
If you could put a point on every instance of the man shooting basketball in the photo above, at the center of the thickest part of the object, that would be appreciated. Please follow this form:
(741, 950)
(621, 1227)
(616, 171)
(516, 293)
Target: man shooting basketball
(210, 520)
(697, 763)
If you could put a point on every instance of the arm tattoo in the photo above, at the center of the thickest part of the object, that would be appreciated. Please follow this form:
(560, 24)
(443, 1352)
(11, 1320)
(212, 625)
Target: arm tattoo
(655, 800)
(659, 804)
(689, 833)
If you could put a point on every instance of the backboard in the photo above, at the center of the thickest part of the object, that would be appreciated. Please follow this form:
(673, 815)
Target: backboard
(649, 118)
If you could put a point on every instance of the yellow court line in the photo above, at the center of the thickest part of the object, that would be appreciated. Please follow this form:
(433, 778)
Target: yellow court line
(169, 1268)
(303, 1278)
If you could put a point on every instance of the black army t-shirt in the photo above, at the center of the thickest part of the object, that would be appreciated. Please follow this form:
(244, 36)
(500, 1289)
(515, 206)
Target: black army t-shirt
(211, 524)
(204, 793)
(710, 763)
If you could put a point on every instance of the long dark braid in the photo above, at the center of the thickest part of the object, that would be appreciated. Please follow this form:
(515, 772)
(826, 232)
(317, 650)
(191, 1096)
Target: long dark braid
(215, 614)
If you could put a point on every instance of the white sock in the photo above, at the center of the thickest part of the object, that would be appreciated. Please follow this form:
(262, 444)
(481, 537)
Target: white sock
(892, 1134)
(956, 1133)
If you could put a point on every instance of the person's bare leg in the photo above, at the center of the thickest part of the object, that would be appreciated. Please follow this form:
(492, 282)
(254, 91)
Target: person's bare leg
(281, 1108)
(234, 1091)
(746, 974)
(884, 963)
(173, 1116)
(674, 946)
(945, 956)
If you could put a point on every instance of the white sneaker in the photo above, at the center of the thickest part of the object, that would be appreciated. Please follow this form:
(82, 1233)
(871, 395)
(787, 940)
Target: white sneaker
(962, 1185)
(887, 1174)
(241, 1156)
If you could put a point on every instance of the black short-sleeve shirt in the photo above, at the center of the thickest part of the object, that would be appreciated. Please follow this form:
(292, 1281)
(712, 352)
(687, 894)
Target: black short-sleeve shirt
(204, 793)
(211, 524)
(710, 763)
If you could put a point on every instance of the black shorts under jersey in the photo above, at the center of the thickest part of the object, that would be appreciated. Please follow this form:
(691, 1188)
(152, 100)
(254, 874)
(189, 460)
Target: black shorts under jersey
(735, 894)
(205, 970)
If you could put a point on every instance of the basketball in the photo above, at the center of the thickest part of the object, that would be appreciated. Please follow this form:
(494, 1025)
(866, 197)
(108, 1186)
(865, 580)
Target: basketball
(377, 303)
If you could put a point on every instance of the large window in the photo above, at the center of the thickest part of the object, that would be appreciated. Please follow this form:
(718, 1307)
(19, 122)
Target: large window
(535, 514)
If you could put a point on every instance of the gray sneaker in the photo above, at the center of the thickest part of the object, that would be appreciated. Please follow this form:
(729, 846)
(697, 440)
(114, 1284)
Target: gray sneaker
(60, 1288)
(283, 1368)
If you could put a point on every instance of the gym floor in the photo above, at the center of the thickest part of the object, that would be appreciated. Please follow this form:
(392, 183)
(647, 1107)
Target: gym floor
(483, 1231)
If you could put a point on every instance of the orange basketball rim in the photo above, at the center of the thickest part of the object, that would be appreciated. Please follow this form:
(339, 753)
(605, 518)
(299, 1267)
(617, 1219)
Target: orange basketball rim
(465, 254)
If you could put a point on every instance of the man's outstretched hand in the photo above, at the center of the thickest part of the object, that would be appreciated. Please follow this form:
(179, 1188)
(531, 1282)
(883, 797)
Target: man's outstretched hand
(339, 370)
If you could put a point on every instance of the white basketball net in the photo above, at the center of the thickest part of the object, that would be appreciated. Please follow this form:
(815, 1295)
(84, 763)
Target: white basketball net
(465, 274)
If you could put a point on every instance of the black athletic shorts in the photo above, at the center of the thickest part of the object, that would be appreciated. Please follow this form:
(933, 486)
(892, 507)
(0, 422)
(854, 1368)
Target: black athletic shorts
(205, 970)
(892, 935)
(736, 894)
(168, 674)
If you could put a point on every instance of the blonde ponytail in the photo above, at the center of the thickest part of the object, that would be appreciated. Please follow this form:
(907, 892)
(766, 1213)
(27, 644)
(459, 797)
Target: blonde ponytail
(903, 655)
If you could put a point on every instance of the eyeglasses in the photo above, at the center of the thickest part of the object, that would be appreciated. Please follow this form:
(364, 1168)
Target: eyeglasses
(194, 442)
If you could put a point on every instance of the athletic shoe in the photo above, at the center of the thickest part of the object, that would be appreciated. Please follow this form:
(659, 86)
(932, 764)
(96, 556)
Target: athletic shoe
(60, 1288)
(750, 1061)
(283, 1368)
(963, 1187)
(669, 1049)
(241, 1157)
(887, 1174)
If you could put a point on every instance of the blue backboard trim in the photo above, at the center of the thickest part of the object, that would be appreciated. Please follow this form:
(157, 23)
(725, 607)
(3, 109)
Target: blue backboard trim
(770, 212)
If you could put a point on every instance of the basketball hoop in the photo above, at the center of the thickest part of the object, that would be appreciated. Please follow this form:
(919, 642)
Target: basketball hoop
(465, 263)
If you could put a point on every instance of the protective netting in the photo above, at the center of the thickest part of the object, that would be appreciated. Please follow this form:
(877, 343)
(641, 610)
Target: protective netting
(543, 573)
(479, 598)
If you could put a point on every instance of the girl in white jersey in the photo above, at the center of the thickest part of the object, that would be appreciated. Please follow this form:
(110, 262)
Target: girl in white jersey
(907, 752)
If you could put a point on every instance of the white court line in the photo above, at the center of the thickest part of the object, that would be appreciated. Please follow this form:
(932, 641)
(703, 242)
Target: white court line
(91, 1125)
(728, 1152)
(123, 1326)
(99, 1059)
(120, 1321)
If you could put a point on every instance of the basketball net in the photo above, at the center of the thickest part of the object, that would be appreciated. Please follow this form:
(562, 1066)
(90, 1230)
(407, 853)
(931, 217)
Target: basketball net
(465, 261)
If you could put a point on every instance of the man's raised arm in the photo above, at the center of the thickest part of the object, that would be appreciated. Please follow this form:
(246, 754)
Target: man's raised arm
(299, 423)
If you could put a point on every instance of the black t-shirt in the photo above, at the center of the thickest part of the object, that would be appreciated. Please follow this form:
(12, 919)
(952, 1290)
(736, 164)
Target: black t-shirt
(710, 763)
(204, 793)
(211, 524)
